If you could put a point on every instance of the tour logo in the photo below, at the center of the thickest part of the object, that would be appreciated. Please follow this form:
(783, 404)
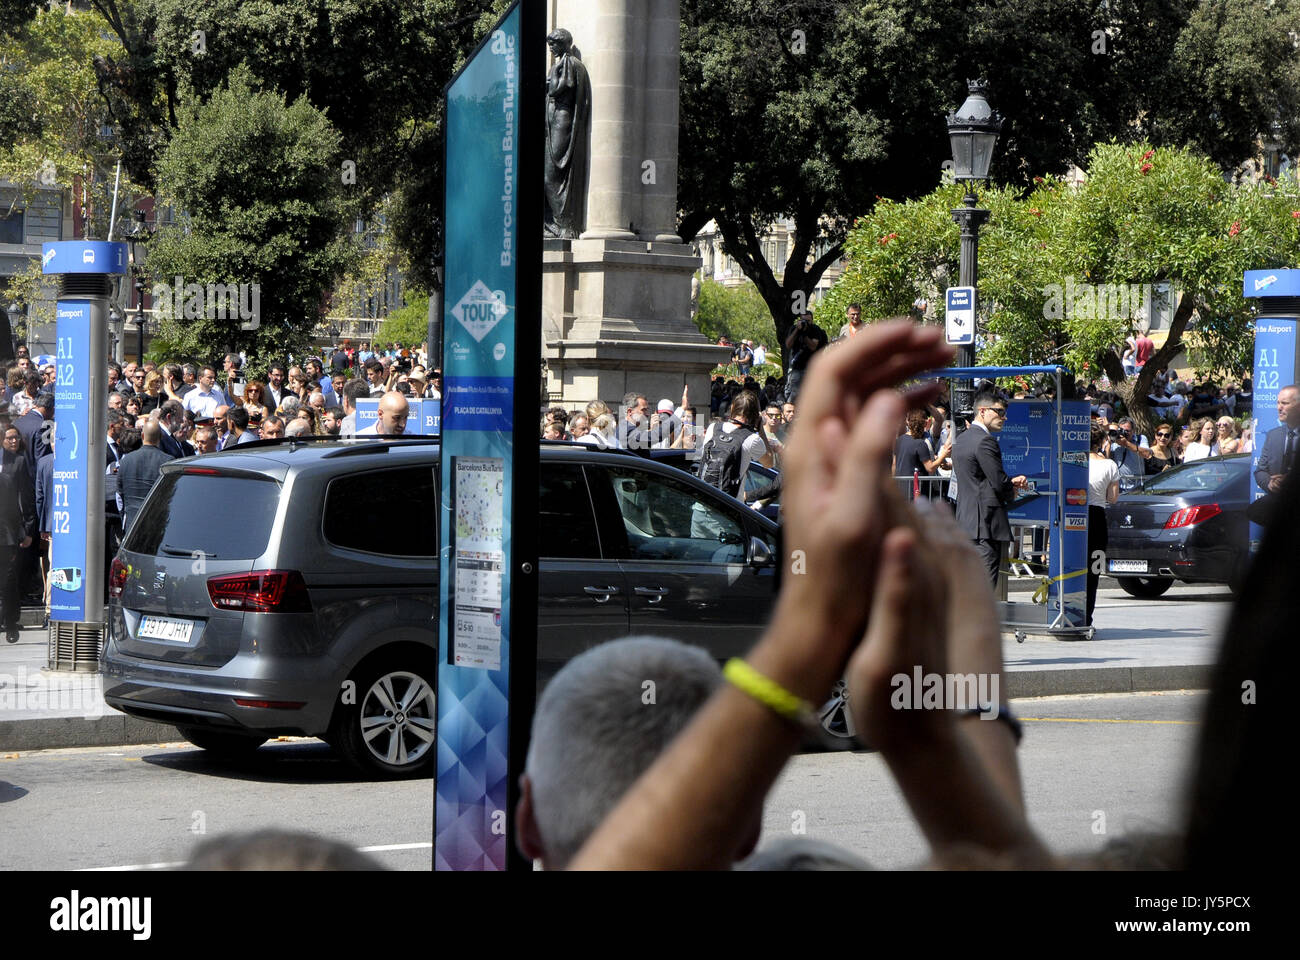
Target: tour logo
(480, 310)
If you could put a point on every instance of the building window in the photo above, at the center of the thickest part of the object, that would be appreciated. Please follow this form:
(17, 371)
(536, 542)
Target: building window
(11, 228)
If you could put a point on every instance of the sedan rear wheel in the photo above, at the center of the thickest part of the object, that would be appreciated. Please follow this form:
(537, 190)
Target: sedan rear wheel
(1145, 588)
(391, 728)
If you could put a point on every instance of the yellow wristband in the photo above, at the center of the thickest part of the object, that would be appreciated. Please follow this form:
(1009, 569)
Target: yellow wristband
(770, 694)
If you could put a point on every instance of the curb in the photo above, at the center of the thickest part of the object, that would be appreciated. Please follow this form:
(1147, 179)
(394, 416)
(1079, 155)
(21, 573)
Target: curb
(54, 733)
(118, 730)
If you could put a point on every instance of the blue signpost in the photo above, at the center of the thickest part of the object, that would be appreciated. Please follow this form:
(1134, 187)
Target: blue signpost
(77, 562)
(1277, 357)
(491, 329)
(1047, 442)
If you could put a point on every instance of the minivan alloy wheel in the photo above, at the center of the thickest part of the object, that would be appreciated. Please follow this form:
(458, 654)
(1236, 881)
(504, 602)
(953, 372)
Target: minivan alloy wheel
(398, 718)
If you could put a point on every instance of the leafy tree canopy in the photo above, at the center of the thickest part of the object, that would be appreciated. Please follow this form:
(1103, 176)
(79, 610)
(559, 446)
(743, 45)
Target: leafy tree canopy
(1058, 264)
(256, 178)
(408, 326)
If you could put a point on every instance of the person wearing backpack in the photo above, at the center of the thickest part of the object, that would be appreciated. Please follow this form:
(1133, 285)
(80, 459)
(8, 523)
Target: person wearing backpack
(730, 446)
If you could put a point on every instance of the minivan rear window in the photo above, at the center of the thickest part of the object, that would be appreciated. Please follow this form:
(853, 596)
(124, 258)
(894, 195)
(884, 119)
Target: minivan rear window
(215, 517)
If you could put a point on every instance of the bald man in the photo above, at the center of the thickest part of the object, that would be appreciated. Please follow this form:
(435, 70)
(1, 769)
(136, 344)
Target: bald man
(393, 411)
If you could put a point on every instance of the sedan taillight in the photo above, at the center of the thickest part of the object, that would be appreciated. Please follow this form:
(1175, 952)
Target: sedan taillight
(117, 575)
(1190, 516)
(262, 591)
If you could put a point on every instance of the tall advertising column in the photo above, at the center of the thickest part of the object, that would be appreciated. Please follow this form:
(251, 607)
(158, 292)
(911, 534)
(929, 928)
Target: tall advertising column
(1277, 358)
(76, 513)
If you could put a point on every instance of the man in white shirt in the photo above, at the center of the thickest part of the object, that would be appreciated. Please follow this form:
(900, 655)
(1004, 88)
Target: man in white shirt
(393, 411)
(204, 401)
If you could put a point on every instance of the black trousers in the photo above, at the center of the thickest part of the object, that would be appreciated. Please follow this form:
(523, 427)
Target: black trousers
(10, 606)
(992, 552)
(1097, 541)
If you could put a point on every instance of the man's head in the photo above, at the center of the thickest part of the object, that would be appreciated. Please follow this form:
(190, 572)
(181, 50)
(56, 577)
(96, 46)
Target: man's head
(171, 414)
(238, 420)
(594, 735)
(635, 406)
(276, 375)
(332, 422)
(231, 363)
(315, 369)
(990, 410)
(115, 401)
(128, 372)
(336, 383)
(375, 372)
(297, 427)
(1288, 406)
(205, 440)
(579, 426)
(1126, 426)
(787, 413)
(114, 375)
(190, 372)
(44, 404)
(855, 313)
(393, 411)
(317, 400)
(114, 423)
(552, 431)
(219, 416)
(151, 435)
(354, 391)
(272, 428)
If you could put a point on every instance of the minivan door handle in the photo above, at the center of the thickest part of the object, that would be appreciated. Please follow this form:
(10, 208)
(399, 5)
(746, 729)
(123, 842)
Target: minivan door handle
(602, 594)
(654, 593)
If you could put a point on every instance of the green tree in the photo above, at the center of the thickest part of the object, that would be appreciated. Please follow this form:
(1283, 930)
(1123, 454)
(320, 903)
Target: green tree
(736, 312)
(1142, 216)
(256, 179)
(831, 104)
(408, 326)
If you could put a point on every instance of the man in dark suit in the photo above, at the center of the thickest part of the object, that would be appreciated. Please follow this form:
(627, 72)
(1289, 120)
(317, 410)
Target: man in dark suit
(983, 490)
(30, 425)
(171, 418)
(139, 470)
(1282, 443)
(17, 523)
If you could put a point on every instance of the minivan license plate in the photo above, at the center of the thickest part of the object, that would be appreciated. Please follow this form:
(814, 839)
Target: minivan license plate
(1128, 566)
(165, 628)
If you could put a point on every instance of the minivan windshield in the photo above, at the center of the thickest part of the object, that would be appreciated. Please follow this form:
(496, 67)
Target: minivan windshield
(201, 515)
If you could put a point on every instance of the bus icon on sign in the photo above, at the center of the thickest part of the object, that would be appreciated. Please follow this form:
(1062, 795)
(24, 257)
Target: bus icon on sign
(87, 256)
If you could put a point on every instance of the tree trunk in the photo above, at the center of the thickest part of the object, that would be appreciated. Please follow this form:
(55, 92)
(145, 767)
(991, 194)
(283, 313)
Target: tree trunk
(1134, 392)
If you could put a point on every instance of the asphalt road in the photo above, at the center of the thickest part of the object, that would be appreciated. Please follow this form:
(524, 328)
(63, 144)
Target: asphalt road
(1117, 756)
(1103, 762)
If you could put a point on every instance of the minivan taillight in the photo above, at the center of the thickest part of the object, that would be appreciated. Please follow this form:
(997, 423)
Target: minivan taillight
(1189, 516)
(262, 591)
(117, 575)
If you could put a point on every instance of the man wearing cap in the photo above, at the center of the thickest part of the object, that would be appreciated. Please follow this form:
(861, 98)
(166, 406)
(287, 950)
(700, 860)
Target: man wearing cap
(664, 424)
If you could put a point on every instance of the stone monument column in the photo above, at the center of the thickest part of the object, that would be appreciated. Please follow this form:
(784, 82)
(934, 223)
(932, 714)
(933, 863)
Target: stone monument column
(658, 221)
(616, 302)
(613, 46)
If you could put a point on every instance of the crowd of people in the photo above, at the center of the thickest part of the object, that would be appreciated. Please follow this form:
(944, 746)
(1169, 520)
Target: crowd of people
(157, 412)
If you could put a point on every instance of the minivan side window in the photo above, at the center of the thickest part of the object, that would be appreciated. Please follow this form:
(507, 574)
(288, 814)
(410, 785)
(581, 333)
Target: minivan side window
(666, 519)
(389, 512)
(566, 523)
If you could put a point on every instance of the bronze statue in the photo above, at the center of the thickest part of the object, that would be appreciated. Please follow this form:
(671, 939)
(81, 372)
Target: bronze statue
(568, 115)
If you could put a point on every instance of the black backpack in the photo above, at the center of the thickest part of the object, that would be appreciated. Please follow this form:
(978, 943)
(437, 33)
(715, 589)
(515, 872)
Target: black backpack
(720, 459)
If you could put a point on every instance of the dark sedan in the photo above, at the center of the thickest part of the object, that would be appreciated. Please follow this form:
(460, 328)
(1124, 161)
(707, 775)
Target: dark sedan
(1188, 523)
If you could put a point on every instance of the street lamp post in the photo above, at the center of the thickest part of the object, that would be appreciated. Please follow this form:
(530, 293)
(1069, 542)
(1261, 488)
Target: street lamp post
(9, 343)
(138, 235)
(972, 130)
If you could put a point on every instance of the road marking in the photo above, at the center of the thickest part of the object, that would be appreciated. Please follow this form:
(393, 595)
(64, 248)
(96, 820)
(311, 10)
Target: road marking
(385, 848)
(1192, 723)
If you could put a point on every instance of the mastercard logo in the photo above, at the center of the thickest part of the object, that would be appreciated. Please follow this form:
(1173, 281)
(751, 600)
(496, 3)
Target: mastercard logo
(1076, 497)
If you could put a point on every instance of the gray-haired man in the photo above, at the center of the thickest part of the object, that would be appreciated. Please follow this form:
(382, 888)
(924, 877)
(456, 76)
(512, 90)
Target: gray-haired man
(600, 723)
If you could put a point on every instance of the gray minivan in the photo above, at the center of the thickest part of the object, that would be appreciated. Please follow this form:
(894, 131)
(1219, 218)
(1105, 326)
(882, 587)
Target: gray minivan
(289, 588)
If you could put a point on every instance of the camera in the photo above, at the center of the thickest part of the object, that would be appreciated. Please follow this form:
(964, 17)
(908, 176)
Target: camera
(1113, 433)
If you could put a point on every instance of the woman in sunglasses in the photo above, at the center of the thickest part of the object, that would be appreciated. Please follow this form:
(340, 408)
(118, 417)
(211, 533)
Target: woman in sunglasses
(1163, 454)
(1226, 442)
